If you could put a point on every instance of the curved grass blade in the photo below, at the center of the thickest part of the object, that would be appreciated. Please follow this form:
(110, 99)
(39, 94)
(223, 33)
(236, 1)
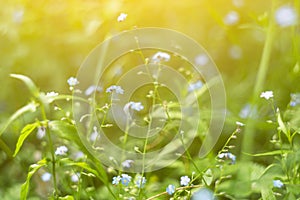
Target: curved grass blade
(270, 153)
(28, 82)
(31, 107)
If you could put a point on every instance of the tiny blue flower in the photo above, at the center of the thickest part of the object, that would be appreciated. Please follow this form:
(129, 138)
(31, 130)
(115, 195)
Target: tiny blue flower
(125, 179)
(41, 132)
(228, 156)
(46, 177)
(115, 88)
(127, 163)
(184, 180)
(137, 106)
(72, 81)
(61, 151)
(134, 106)
(286, 16)
(295, 99)
(278, 183)
(116, 180)
(170, 189)
(195, 86)
(140, 181)
(75, 177)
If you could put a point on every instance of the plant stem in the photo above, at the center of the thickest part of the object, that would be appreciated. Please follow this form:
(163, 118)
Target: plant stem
(259, 84)
(53, 160)
(180, 188)
(5, 148)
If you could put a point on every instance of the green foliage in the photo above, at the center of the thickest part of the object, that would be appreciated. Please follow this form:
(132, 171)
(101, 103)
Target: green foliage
(32, 170)
(31, 107)
(29, 128)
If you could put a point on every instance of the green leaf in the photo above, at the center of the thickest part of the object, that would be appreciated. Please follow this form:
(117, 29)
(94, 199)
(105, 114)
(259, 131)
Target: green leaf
(281, 124)
(65, 131)
(267, 194)
(270, 153)
(68, 98)
(68, 197)
(69, 132)
(31, 107)
(83, 165)
(28, 82)
(24, 134)
(32, 170)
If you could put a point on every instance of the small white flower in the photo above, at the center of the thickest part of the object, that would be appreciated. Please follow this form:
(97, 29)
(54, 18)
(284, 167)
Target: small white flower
(51, 94)
(93, 88)
(122, 17)
(267, 94)
(286, 16)
(239, 124)
(72, 81)
(184, 180)
(116, 180)
(115, 88)
(231, 18)
(161, 56)
(62, 150)
(94, 134)
(170, 189)
(41, 132)
(134, 106)
(127, 163)
(46, 177)
(201, 59)
(195, 86)
(75, 177)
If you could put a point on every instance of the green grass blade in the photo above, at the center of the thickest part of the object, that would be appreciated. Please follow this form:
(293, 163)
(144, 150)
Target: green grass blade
(28, 82)
(270, 153)
(83, 165)
(267, 194)
(31, 107)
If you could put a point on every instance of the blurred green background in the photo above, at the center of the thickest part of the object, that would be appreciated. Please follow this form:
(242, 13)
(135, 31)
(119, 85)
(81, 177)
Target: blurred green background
(48, 41)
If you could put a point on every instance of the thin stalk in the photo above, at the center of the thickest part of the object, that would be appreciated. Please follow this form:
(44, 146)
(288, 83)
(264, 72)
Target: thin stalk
(5, 148)
(259, 84)
(53, 160)
(247, 143)
(177, 189)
